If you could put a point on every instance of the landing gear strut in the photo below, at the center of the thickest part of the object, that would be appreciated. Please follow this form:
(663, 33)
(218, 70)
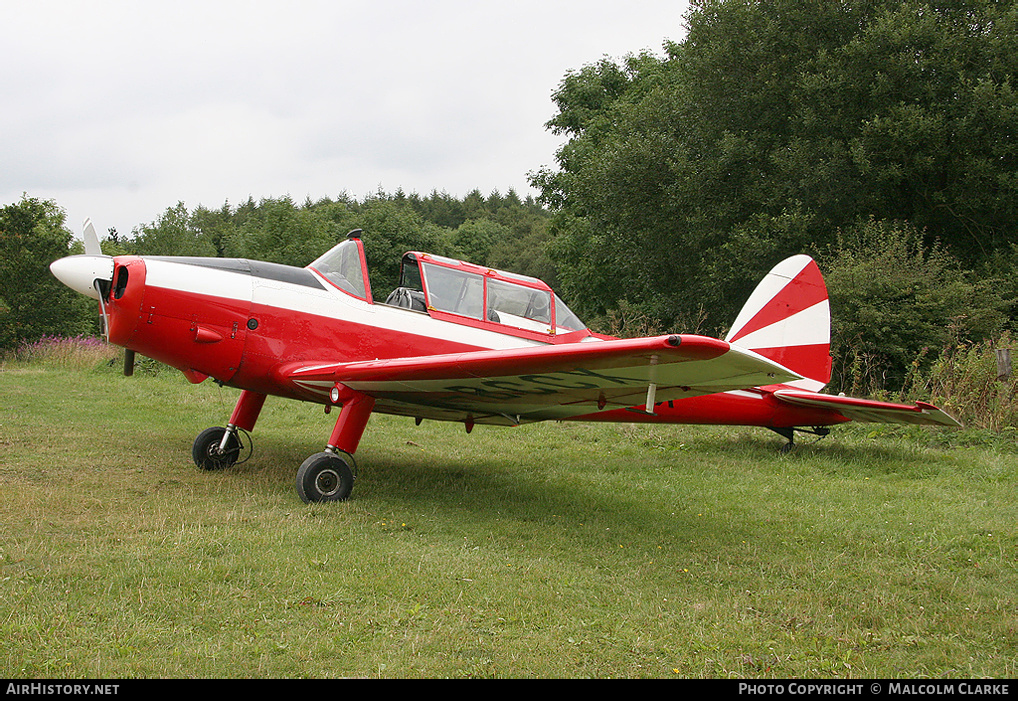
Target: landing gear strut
(325, 476)
(217, 448)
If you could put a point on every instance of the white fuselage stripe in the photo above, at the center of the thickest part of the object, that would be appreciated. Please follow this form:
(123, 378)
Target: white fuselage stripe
(329, 302)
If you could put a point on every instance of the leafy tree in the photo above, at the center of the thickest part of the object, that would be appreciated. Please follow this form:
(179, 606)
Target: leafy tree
(175, 233)
(280, 231)
(501, 227)
(473, 239)
(218, 228)
(33, 303)
(914, 118)
(390, 230)
(769, 128)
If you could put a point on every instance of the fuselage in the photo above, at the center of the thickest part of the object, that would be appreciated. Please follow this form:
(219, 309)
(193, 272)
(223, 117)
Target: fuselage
(238, 321)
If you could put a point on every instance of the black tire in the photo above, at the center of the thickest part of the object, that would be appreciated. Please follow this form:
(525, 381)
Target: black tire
(324, 477)
(205, 451)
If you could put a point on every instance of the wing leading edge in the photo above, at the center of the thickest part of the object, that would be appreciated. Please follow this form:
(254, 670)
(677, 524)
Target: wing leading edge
(542, 382)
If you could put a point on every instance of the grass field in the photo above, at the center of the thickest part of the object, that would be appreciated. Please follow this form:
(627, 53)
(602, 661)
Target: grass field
(552, 550)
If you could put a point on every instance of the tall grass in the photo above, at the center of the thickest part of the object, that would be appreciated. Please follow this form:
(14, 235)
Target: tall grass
(961, 378)
(963, 381)
(71, 352)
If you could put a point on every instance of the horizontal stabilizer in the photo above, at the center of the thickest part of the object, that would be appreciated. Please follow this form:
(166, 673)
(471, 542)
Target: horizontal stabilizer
(869, 410)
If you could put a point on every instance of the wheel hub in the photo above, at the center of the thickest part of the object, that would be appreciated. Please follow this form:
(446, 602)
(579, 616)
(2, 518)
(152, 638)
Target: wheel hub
(327, 482)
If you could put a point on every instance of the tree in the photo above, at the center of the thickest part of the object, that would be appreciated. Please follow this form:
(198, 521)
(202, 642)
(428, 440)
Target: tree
(390, 230)
(474, 238)
(173, 234)
(769, 128)
(279, 231)
(33, 303)
(503, 228)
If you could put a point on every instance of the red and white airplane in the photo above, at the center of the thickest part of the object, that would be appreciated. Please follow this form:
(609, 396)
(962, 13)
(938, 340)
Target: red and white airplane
(458, 342)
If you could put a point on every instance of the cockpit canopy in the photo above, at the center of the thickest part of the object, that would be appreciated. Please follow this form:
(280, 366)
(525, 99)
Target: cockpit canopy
(442, 286)
(488, 295)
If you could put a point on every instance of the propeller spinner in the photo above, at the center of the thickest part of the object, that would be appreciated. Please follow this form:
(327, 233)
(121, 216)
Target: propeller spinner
(81, 272)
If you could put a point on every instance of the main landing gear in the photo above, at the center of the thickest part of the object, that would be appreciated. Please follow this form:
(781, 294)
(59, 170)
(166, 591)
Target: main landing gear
(325, 476)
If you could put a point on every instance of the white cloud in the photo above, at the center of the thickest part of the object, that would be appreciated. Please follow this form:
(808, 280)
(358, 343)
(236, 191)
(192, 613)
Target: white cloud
(118, 110)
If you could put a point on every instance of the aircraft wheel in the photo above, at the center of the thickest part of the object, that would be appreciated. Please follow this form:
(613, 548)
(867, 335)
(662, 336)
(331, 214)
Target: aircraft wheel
(325, 477)
(205, 451)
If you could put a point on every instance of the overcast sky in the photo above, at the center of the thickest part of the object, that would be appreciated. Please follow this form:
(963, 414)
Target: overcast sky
(118, 110)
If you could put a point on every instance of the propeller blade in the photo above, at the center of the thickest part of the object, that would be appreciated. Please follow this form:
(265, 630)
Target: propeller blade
(92, 246)
(128, 362)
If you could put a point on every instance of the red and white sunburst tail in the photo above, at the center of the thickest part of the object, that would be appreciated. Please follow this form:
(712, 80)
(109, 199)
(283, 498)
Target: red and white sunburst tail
(787, 319)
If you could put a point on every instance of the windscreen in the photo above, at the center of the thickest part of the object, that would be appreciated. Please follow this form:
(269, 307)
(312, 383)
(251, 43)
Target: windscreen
(341, 266)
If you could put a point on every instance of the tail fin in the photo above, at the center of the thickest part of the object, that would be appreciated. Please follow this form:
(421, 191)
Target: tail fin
(787, 319)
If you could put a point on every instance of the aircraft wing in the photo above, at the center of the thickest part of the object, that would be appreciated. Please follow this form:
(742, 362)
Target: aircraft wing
(869, 410)
(542, 382)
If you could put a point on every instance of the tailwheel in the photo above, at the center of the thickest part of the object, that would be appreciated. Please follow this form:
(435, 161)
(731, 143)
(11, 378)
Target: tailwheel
(789, 433)
(211, 452)
(326, 476)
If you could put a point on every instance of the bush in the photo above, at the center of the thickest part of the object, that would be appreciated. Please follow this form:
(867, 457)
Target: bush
(894, 297)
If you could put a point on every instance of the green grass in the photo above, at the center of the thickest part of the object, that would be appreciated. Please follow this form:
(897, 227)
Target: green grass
(552, 550)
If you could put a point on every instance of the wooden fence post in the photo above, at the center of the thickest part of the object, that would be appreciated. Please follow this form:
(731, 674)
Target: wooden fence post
(1003, 364)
